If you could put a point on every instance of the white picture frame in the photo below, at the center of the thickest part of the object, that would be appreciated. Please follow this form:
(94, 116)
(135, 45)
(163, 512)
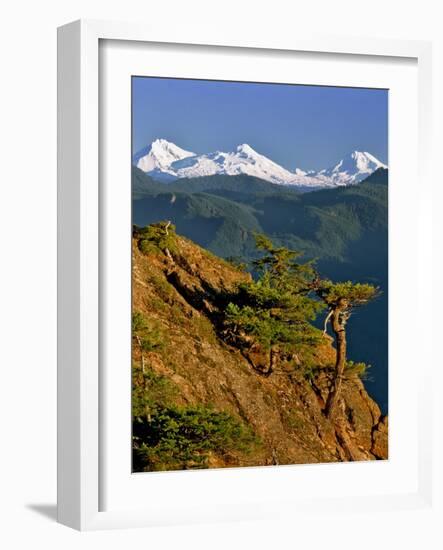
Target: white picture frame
(80, 413)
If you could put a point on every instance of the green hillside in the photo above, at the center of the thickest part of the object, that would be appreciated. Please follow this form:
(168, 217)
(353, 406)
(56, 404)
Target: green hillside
(144, 185)
(221, 214)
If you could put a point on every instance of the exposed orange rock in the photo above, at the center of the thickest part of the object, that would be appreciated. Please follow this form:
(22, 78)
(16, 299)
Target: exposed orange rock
(182, 293)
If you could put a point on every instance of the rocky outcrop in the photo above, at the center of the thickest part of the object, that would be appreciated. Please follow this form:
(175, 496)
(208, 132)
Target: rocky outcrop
(183, 294)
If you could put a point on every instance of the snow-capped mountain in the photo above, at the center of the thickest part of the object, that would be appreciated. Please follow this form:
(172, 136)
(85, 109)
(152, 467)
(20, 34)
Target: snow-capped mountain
(353, 168)
(244, 160)
(166, 161)
(159, 156)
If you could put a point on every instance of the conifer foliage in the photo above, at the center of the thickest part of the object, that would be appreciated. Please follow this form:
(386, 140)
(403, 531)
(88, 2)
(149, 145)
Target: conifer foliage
(341, 298)
(275, 310)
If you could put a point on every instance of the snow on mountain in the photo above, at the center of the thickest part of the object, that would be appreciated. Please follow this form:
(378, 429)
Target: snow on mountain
(244, 160)
(353, 168)
(166, 161)
(299, 172)
(159, 156)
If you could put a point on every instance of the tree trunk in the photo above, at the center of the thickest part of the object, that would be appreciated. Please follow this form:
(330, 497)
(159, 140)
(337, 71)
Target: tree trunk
(338, 326)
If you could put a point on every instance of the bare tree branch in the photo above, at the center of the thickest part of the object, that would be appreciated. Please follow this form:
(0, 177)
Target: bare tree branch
(169, 255)
(327, 321)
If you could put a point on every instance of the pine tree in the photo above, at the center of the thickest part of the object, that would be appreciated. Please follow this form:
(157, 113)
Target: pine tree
(275, 310)
(341, 299)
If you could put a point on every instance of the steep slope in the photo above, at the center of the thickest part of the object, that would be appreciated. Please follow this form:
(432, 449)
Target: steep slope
(181, 291)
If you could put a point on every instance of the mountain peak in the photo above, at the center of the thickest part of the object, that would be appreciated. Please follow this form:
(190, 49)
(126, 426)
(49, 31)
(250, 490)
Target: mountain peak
(159, 156)
(353, 168)
(166, 161)
(160, 141)
(246, 149)
(161, 144)
(364, 155)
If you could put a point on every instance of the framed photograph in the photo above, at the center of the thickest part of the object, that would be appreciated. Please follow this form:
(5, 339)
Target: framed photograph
(239, 222)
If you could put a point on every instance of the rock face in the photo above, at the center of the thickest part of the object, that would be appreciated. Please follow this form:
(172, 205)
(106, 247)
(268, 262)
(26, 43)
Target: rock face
(182, 291)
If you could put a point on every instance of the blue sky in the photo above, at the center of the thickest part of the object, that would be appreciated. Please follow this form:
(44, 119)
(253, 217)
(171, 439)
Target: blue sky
(310, 127)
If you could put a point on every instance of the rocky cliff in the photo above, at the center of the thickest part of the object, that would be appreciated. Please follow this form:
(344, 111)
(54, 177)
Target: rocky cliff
(181, 290)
